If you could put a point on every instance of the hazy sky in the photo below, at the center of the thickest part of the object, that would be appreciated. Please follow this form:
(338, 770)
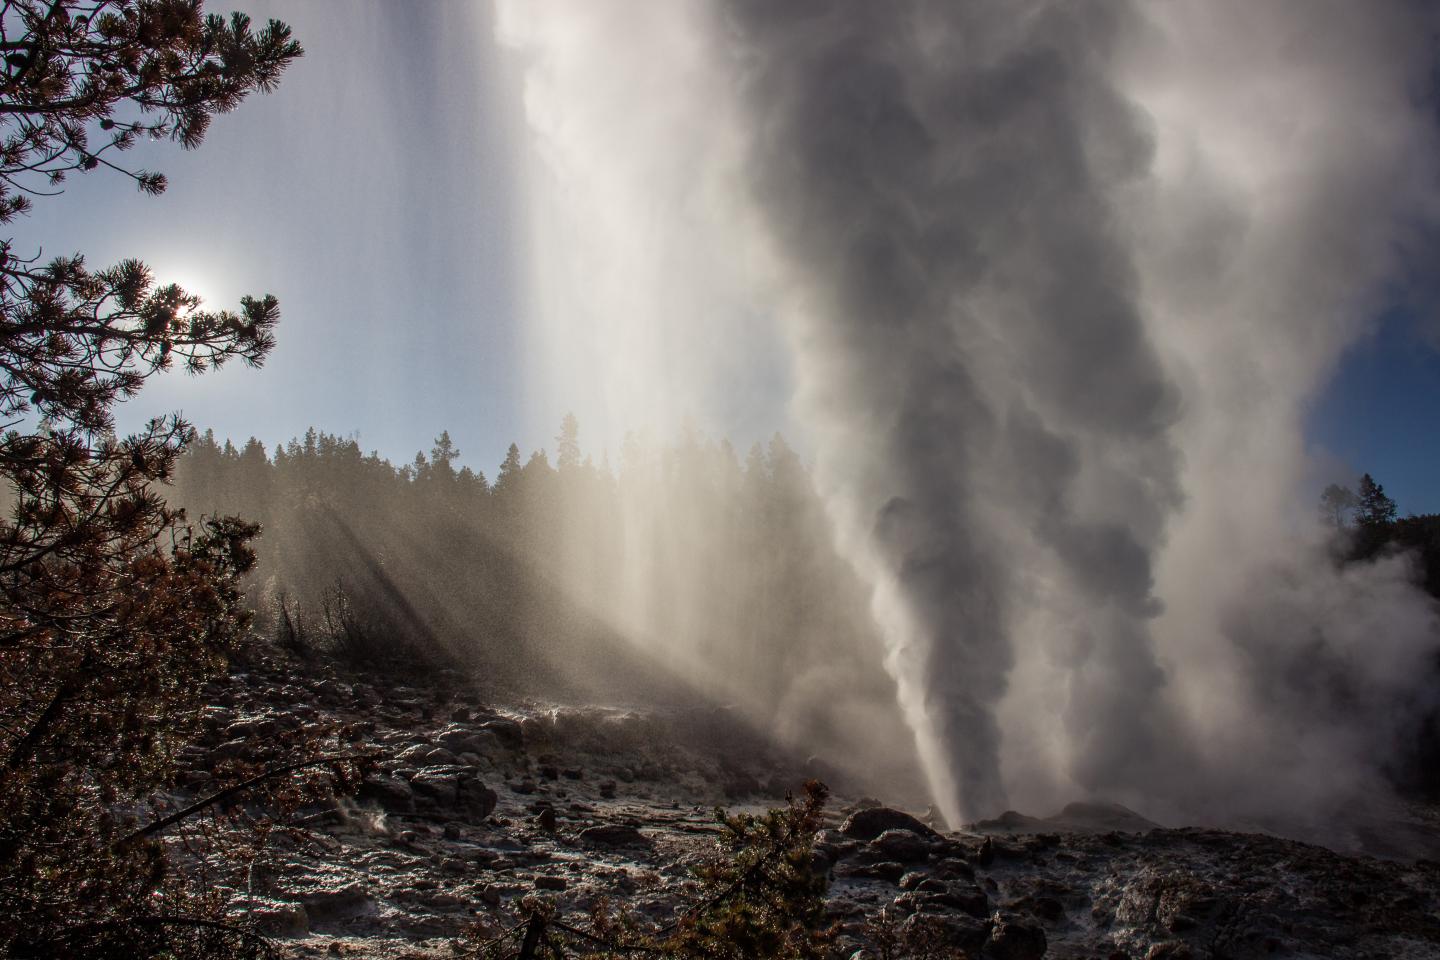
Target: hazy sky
(379, 194)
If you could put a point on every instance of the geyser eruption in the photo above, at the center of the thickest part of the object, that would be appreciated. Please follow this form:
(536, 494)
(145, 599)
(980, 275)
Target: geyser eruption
(991, 416)
(1058, 280)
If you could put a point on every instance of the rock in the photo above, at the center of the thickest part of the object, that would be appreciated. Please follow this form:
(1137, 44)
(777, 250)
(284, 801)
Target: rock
(549, 771)
(901, 845)
(463, 739)
(953, 867)
(869, 824)
(573, 773)
(278, 919)
(1011, 939)
(987, 853)
(475, 798)
(417, 755)
(510, 733)
(388, 793)
(546, 819)
(324, 906)
(437, 785)
(1048, 908)
(545, 882)
(607, 790)
(1101, 818)
(455, 788)
(970, 900)
(612, 835)
(887, 870)
(962, 932)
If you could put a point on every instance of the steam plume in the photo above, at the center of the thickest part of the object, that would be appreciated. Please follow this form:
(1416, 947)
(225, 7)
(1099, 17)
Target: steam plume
(1059, 279)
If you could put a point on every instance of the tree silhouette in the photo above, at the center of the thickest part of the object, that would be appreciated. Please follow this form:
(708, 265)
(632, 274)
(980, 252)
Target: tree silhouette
(1373, 509)
(1336, 502)
(111, 612)
(567, 445)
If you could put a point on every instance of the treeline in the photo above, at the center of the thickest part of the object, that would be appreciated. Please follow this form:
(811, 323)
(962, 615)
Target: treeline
(680, 560)
(1367, 524)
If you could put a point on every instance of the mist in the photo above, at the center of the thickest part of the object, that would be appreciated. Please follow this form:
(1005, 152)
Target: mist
(1056, 284)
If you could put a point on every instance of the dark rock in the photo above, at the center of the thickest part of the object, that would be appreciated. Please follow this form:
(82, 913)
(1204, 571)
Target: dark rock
(869, 824)
(388, 793)
(324, 906)
(549, 772)
(573, 773)
(279, 920)
(463, 739)
(510, 733)
(455, 788)
(887, 870)
(1011, 939)
(612, 835)
(964, 933)
(901, 845)
(987, 853)
(970, 900)
(436, 785)
(607, 790)
(545, 882)
(953, 867)
(546, 819)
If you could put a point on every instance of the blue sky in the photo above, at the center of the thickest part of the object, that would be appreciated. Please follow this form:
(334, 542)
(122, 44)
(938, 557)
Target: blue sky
(1381, 412)
(372, 193)
(376, 193)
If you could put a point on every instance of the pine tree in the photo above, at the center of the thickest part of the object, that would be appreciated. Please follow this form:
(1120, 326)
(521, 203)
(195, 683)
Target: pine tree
(508, 479)
(111, 611)
(567, 444)
(1336, 502)
(1374, 509)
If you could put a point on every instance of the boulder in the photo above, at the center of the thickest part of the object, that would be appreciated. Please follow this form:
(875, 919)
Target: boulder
(510, 733)
(1011, 939)
(324, 906)
(389, 793)
(868, 824)
(456, 788)
(276, 919)
(901, 845)
(612, 835)
(888, 870)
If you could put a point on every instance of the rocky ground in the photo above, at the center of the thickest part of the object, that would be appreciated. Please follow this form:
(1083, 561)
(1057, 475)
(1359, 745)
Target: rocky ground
(479, 802)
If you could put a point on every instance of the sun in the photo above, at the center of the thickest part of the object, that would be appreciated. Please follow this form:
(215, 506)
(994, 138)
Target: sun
(191, 277)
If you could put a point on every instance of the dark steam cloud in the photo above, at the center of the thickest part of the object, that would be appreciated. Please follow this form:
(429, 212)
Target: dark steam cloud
(940, 179)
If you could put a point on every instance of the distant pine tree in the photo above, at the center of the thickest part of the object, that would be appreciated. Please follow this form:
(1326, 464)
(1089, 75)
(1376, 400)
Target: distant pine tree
(1374, 508)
